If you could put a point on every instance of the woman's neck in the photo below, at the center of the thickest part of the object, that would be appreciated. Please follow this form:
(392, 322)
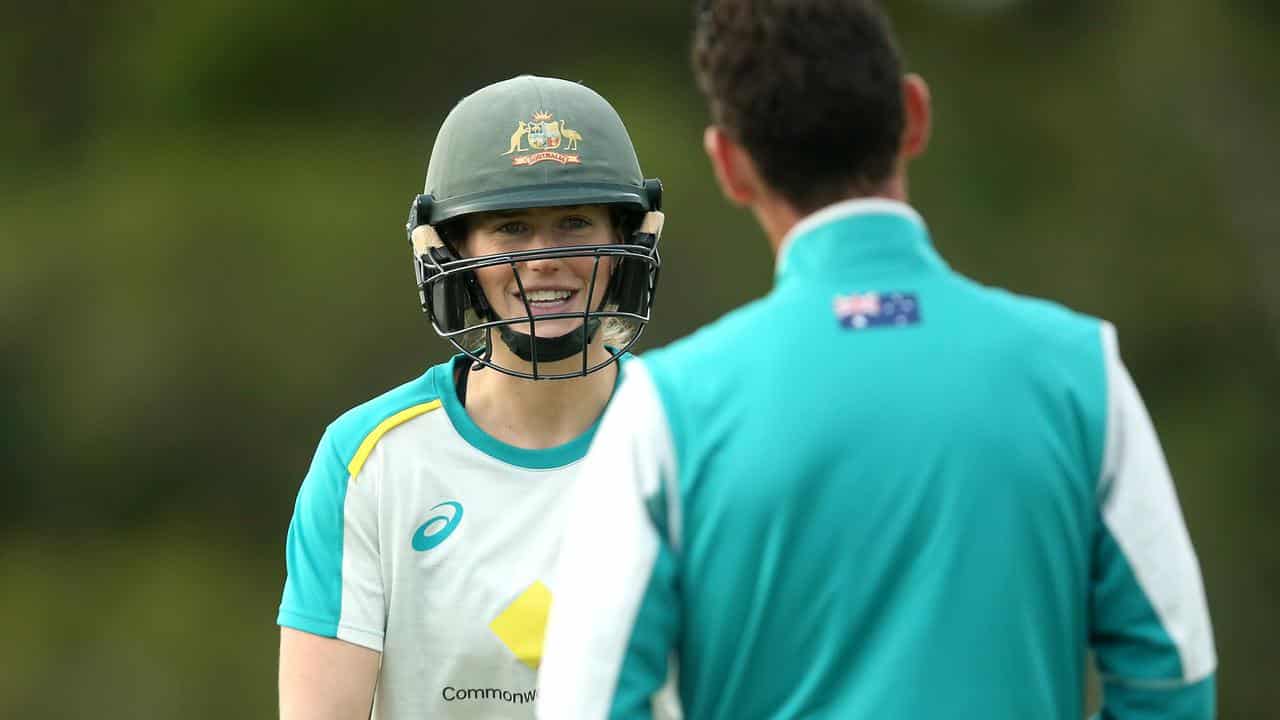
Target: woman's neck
(537, 414)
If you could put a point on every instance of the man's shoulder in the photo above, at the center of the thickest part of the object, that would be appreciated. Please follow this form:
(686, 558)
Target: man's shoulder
(713, 361)
(718, 341)
(1019, 342)
(1039, 321)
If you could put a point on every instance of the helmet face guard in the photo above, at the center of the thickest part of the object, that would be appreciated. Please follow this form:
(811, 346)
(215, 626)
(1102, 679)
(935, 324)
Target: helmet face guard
(459, 312)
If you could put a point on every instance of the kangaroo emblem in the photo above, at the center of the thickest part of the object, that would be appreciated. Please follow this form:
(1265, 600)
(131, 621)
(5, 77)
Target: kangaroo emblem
(573, 136)
(517, 137)
(542, 138)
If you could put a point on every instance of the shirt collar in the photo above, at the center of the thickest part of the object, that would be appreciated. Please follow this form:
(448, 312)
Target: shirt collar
(856, 232)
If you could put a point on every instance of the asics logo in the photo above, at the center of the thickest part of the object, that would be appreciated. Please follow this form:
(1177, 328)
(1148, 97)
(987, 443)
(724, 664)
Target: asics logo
(424, 538)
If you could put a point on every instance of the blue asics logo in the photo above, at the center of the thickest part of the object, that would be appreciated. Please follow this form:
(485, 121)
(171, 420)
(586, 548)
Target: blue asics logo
(423, 540)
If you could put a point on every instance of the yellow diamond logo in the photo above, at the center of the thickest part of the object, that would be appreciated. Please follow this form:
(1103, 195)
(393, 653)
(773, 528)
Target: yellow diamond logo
(521, 626)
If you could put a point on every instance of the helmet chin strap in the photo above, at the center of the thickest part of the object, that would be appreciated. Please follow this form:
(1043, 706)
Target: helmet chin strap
(549, 349)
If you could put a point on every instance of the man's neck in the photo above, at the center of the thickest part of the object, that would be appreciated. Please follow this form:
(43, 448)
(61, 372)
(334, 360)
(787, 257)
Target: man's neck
(538, 414)
(777, 217)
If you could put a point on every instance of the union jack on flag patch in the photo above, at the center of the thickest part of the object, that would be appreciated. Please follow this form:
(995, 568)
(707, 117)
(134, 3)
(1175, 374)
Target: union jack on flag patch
(876, 309)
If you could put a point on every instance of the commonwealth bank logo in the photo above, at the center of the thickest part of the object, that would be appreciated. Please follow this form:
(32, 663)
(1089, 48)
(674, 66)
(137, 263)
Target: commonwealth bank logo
(545, 138)
(523, 623)
(437, 528)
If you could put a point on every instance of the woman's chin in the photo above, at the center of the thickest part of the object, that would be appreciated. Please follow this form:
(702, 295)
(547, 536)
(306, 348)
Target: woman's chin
(550, 329)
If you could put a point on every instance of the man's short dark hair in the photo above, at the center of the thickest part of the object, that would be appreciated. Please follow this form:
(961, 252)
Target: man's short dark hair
(811, 88)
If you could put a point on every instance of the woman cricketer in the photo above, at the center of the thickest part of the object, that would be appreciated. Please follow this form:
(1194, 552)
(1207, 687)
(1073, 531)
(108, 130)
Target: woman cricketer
(421, 546)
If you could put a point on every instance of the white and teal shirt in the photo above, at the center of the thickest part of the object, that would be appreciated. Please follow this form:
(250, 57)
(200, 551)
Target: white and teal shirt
(418, 535)
(881, 491)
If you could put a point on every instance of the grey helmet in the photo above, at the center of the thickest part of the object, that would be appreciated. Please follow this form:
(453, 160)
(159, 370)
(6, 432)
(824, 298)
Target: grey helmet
(533, 142)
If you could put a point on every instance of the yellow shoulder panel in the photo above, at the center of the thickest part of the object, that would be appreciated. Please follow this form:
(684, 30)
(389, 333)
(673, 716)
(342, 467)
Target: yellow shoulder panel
(372, 438)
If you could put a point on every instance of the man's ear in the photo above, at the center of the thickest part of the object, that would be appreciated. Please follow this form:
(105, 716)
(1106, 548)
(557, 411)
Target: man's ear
(734, 168)
(917, 116)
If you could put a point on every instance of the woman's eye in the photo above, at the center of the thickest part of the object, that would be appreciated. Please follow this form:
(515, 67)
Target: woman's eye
(511, 228)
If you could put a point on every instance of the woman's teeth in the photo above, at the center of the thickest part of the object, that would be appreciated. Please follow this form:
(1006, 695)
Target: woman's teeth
(548, 296)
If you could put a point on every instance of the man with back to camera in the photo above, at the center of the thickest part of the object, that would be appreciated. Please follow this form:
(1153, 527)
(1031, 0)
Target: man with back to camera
(883, 490)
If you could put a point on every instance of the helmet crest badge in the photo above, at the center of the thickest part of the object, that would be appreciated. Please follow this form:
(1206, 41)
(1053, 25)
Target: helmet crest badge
(546, 137)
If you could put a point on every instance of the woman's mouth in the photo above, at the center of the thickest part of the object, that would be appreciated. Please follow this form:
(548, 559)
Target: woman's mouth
(546, 302)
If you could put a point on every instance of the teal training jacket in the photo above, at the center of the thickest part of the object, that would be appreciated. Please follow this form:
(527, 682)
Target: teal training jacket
(881, 491)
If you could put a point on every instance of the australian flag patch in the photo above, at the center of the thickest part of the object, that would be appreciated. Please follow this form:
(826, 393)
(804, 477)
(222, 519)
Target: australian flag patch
(876, 309)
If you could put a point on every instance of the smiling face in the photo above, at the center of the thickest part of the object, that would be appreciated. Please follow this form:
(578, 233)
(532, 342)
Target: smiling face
(552, 285)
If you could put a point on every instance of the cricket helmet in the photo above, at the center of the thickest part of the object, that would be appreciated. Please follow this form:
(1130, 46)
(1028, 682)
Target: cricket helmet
(532, 142)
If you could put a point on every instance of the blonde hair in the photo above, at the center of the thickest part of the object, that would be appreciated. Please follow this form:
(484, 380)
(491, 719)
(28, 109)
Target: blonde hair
(618, 331)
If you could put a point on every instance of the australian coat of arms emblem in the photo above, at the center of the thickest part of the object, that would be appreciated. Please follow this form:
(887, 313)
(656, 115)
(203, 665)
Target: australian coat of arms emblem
(544, 138)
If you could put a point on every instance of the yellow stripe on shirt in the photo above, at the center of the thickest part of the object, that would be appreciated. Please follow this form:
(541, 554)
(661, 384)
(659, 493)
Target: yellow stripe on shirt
(372, 438)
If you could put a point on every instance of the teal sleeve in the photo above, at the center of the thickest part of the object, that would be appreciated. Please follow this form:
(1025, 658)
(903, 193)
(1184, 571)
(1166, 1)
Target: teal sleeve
(653, 639)
(1127, 636)
(1149, 624)
(1138, 660)
(1133, 702)
(616, 616)
(312, 599)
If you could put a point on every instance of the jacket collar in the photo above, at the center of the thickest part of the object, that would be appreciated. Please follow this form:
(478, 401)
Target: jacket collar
(857, 236)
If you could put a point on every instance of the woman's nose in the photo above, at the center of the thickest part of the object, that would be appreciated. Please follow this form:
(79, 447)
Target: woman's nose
(541, 240)
(541, 264)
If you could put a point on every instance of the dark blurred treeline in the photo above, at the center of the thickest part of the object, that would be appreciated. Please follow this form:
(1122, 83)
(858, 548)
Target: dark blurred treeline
(202, 263)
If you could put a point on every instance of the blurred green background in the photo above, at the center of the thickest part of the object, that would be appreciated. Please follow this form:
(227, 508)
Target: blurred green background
(202, 263)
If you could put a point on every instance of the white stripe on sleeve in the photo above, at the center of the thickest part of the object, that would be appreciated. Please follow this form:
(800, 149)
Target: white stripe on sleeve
(1140, 508)
(607, 553)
